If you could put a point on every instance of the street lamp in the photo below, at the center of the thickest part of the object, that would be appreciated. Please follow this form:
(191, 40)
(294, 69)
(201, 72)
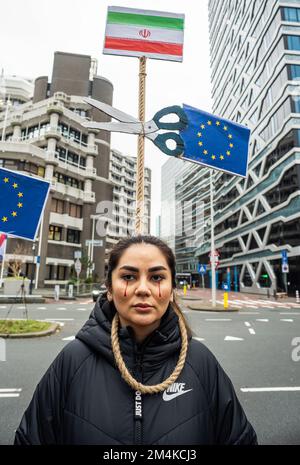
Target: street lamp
(32, 269)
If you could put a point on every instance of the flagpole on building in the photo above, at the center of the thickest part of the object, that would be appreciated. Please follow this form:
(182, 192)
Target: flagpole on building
(212, 242)
(139, 208)
(39, 253)
(3, 261)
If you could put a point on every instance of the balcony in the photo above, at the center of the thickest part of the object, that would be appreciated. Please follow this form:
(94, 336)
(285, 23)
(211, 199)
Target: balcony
(66, 220)
(55, 107)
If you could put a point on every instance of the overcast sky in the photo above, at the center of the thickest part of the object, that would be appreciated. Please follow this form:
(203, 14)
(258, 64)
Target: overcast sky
(32, 30)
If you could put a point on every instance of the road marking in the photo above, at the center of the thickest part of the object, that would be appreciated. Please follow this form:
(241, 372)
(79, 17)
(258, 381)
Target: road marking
(247, 324)
(22, 307)
(288, 321)
(271, 389)
(58, 319)
(71, 338)
(218, 319)
(251, 331)
(250, 313)
(198, 338)
(60, 308)
(84, 309)
(263, 320)
(11, 390)
(41, 308)
(232, 338)
(288, 313)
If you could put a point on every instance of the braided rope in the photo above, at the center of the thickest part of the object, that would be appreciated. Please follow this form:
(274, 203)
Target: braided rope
(154, 389)
(141, 151)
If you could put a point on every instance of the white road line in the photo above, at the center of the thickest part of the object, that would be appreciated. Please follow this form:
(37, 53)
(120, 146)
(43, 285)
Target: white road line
(251, 331)
(60, 308)
(271, 389)
(263, 320)
(218, 319)
(247, 324)
(232, 338)
(81, 309)
(198, 338)
(288, 321)
(10, 390)
(250, 313)
(3, 306)
(58, 319)
(41, 308)
(71, 338)
(21, 307)
(9, 395)
(288, 313)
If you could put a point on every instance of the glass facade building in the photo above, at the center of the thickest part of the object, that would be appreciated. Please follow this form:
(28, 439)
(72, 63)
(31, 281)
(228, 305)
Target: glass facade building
(255, 63)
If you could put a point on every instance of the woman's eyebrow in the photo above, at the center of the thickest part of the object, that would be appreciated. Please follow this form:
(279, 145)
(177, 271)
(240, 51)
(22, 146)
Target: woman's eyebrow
(132, 268)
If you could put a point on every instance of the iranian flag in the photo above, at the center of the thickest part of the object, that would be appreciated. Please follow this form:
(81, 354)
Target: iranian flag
(153, 34)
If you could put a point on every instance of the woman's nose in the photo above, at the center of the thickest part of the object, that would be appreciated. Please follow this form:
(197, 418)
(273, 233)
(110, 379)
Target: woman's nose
(142, 287)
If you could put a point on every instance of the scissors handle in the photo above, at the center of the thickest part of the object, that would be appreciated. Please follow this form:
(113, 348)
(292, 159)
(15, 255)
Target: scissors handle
(177, 125)
(161, 142)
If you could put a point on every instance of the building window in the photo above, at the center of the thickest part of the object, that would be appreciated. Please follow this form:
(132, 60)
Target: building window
(55, 233)
(63, 179)
(75, 210)
(291, 14)
(73, 235)
(61, 273)
(57, 206)
(293, 42)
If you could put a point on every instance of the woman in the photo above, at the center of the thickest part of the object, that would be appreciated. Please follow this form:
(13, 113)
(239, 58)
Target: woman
(134, 375)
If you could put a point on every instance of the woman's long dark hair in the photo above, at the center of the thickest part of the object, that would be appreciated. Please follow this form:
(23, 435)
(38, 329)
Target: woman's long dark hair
(123, 245)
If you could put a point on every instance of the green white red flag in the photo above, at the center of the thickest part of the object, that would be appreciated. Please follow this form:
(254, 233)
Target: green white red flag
(153, 34)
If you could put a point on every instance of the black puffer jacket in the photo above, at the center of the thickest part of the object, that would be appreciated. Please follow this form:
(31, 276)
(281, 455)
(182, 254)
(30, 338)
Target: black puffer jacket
(82, 398)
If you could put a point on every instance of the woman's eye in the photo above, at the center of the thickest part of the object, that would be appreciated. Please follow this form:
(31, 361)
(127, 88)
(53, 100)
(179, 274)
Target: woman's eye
(128, 277)
(157, 278)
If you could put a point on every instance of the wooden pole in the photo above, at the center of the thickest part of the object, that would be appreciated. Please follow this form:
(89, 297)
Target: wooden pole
(139, 208)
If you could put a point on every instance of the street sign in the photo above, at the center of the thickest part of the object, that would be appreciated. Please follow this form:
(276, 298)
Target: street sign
(78, 266)
(77, 254)
(225, 286)
(37, 259)
(96, 243)
(201, 269)
(284, 254)
(285, 268)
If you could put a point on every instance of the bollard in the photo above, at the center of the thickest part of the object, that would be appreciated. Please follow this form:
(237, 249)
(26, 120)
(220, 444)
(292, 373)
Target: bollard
(297, 297)
(225, 299)
(184, 289)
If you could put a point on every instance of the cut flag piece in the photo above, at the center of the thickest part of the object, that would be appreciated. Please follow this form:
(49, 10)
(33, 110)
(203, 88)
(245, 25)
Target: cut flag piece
(22, 201)
(215, 142)
(3, 242)
(153, 34)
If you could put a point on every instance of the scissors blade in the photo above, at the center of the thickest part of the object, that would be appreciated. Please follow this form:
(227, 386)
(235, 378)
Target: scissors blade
(109, 110)
(128, 128)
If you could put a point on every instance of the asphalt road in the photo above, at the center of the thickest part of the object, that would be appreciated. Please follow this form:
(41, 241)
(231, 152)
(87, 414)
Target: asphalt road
(254, 346)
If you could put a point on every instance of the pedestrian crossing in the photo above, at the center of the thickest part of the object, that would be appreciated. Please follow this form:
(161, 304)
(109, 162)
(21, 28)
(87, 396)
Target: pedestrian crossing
(260, 303)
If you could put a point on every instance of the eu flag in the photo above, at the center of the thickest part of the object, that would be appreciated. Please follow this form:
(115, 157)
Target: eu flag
(215, 142)
(22, 200)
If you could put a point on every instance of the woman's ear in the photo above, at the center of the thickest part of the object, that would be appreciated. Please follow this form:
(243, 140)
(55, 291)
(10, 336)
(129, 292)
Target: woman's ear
(172, 297)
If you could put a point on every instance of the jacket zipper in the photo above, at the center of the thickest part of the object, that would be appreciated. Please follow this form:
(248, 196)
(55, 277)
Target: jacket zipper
(138, 405)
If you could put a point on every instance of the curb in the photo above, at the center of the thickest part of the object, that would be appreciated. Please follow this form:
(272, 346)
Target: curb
(48, 332)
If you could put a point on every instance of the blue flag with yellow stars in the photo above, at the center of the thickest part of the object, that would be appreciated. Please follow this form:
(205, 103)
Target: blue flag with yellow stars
(215, 142)
(22, 200)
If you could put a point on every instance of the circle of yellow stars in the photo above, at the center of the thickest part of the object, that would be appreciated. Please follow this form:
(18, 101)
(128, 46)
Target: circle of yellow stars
(13, 213)
(230, 137)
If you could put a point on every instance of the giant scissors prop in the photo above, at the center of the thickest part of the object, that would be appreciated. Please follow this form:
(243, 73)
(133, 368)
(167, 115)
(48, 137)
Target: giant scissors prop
(130, 125)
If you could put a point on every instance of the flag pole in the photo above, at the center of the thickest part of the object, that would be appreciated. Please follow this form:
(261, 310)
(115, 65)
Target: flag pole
(39, 253)
(212, 241)
(3, 261)
(139, 208)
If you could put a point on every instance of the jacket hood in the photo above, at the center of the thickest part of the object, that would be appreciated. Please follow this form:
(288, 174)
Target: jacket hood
(154, 350)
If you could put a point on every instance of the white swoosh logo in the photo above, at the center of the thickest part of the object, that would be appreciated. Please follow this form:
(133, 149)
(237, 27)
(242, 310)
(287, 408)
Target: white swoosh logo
(167, 396)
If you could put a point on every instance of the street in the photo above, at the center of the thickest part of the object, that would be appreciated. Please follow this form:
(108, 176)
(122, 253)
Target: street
(253, 345)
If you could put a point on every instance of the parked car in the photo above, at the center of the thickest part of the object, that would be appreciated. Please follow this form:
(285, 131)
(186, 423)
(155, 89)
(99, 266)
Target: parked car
(96, 292)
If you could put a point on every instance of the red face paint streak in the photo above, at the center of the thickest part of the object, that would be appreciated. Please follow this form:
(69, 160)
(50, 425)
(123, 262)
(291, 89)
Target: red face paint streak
(125, 295)
(159, 289)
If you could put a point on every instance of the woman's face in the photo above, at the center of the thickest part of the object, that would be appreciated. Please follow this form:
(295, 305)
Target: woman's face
(141, 287)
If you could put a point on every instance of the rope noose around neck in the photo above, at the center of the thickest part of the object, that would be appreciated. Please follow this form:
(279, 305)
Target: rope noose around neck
(133, 383)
